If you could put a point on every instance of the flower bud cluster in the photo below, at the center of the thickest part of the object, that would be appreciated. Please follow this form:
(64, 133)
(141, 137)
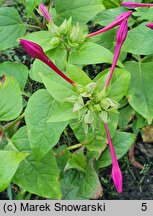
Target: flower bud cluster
(92, 105)
(67, 34)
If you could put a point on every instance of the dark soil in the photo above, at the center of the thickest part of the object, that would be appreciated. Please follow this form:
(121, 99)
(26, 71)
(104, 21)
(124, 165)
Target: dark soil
(137, 184)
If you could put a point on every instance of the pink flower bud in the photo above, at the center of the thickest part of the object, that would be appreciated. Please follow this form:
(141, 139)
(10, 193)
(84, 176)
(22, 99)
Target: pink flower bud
(45, 12)
(117, 177)
(115, 23)
(37, 52)
(122, 32)
(116, 171)
(150, 25)
(120, 38)
(33, 49)
(135, 4)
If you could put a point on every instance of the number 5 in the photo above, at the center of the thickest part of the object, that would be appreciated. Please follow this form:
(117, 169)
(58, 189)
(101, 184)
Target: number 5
(144, 207)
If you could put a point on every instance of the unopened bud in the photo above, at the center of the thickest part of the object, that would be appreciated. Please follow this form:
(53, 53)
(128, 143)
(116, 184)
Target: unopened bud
(103, 115)
(54, 29)
(45, 12)
(55, 41)
(89, 117)
(150, 25)
(80, 88)
(122, 32)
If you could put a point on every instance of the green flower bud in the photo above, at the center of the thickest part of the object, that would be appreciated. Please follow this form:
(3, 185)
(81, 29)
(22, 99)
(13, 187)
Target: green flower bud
(54, 29)
(98, 97)
(63, 28)
(76, 35)
(105, 104)
(55, 41)
(71, 99)
(79, 104)
(113, 110)
(97, 108)
(91, 106)
(103, 115)
(89, 117)
(69, 24)
(66, 26)
(85, 127)
(80, 88)
(90, 87)
(72, 44)
(113, 103)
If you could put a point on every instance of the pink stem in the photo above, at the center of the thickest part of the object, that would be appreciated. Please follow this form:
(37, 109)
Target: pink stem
(115, 59)
(108, 27)
(47, 61)
(112, 150)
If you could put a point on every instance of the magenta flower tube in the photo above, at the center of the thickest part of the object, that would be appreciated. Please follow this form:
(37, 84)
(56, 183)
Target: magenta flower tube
(120, 38)
(135, 4)
(150, 25)
(116, 171)
(37, 52)
(115, 23)
(45, 12)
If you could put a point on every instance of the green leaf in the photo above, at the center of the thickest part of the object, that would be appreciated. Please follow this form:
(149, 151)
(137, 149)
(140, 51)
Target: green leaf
(11, 27)
(111, 3)
(10, 99)
(9, 163)
(42, 38)
(119, 84)
(140, 88)
(43, 135)
(94, 141)
(100, 80)
(122, 141)
(37, 177)
(77, 161)
(62, 156)
(80, 11)
(139, 123)
(30, 5)
(90, 186)
(144, 14)
(56, 55)
(77, 75)
(78, 185)
(107, 16)
(126, 115)
(19, 71)
(62, 112)
(139, 41)
(91, 53)
(107, 39)
(58, 90)
(70, 182)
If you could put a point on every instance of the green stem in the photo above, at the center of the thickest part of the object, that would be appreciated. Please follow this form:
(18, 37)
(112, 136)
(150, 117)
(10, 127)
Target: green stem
(36, 19)
(11, 124)
(68, 54)
(74, 146)
(115, 3)
(33, 26)
(26, 94)
(33, 15)
(50, 4)
(9, 192)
